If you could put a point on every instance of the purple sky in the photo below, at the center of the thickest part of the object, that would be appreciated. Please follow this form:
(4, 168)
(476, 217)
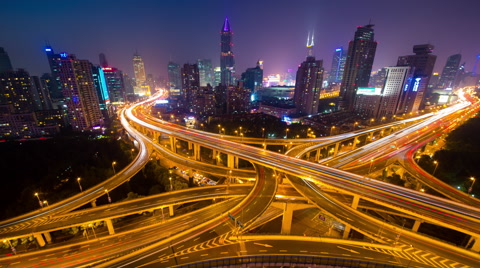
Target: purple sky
(272, 30)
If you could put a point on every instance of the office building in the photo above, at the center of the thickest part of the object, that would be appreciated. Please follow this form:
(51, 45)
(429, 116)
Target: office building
(5, 64)
(423, 63)
(450, 72)
(253, 78)
(190, 84)
(338, 66)
(358, 64)
(103, 60)
(174, 75)
(115, 85)
(227, 60)
(205, 71)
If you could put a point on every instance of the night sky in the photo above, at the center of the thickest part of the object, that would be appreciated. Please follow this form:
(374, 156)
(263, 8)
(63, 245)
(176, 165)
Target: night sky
(274, 31)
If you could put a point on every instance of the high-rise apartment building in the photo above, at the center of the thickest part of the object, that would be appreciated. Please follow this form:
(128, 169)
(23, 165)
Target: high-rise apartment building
(423, 62)
(115, 85)
(227, 60)
(253, 78)
(205, 71)
(338, 66)
(16, 90)
(79, 91)
(174, 75)
(54, 84)
(5, 64)
(358, 64)
(308, 85)
(190, 84)
(139, 69)
(450, 72)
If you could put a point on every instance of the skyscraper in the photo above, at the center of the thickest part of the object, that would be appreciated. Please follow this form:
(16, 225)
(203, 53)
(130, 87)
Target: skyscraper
(139, 69)
(423, 62)
(205, 70)
(115, 85)
(358, 65)
(174, 75)
(79, 91)
(190, 83)
(54, 84)
(252, 78)
(394, 92)
(338, 66)
(450, 71)
(308, 84)
(103, 60)
(227, 60)
(16, 90)
(5, 64)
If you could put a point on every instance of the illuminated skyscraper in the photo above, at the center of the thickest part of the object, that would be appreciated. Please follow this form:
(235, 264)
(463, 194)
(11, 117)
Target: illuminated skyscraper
(358, 65)
(190, 84)
(5, 64)
(338, 66)
(450, 72)
(423, 62)
(54, 84)
(115, 85)
(227, 60)
(174, 75)
(308, 84)
(253, 78)
(79, 91)
(139, 69)
(16, 90)
(205, 71)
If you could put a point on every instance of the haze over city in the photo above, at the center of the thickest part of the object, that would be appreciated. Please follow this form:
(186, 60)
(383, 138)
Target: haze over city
(272, 31)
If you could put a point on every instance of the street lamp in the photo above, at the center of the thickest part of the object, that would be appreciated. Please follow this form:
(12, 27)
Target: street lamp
(331, 130)
(435, 169)
(45, 202)
(263, 133)
(11, 246)
(108, 196)
(171, 186)
(471, 186)
(79, 185)
(241, 134)
(113, 167)
(131, 152)
(39, 201)
(370, 169)
(286, 133)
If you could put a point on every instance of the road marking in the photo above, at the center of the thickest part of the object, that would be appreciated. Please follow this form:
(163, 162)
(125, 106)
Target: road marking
(225, 252)
(303, 251)
(263, 250)
(179, 247)
(283, 250)
(263, 245)
(351, 250)
(184, 258)
(203, 255)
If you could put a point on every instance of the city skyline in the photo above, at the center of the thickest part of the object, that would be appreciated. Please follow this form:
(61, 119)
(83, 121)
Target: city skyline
(189, 30)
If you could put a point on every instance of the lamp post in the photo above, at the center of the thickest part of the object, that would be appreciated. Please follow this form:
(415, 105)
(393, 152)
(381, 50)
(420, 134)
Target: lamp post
(331, 130)
(131, 152)
(79, 185)
(39, 201)
(263, 133)
(286, 133)
(45, 202)
(471, 186)
(241, 134)
(11, 246)
(113, 167)
(435, 169)
(171, 186)
(108, 196)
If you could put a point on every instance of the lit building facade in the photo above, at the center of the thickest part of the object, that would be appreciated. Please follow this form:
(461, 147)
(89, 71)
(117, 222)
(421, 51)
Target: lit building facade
(308, 85)
(205, 71)
(358, 64)
(450, 71)
(338, 66)
(227, 60)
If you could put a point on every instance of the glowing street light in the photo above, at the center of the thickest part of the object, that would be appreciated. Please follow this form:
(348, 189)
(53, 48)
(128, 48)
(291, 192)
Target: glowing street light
(435, 169)
(331, 130)
(108, 196)
(370, 169)
(113, 167)
(286, 133)
(11, 246)
(39, 201)
(471, 186)
(171, 186)
(79, 185)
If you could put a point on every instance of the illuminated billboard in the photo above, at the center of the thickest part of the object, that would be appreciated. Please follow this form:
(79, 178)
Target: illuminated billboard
(369, 91)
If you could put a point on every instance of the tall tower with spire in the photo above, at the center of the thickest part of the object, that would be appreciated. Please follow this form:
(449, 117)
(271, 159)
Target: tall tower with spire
(227, 60)
(309, 83)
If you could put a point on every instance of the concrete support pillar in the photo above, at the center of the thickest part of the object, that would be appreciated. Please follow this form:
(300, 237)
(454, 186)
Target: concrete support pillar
(48, 237)
(196, 152)
(335, 152)
(110, 226)
(355, 141)
(346, 232)
(287, 219)
(94, 203)
(231, 161)
(370, 137)
(317, 155)
(307, 155)
(474, 243)
(173, 144)
(416, 225)
(356, 200)
(171, 211)
(39, 238)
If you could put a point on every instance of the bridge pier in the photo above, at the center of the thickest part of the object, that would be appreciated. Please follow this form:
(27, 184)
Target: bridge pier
(287, 219)
(48, 237)
(94, 203)
(335, 151)
(39, 238)
(171, 211)
(474, 243)
(416, 225)
(346, 231)
(355, 142)
(355, 201)
(110, 228)
(196, 152)
(232, 161)
(173, 144)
